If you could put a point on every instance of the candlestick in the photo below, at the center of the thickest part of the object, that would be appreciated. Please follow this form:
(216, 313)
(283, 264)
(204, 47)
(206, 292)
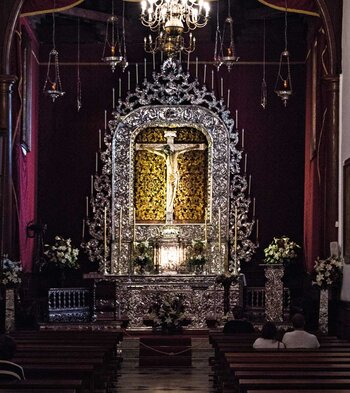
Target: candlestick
(188, 62)
(257, 230)
(113, 97)
(205, 226)
(87, 206)
(105, 120)
(228, 98)
(196, 67)
(134, 227)
(120, 229)
(137, 73)
(236, 119)
(219, 231)
(105, 232)
(205, 74)
(145, 67)
(96, 164)
(99, 139)
(212, 79)
(92, 185)
(222, 87)
(129, 81)
(236, 233)
(242, 138)
(154, 61)
(249, 184)
(253, 207)
(83, 230)
(245, 162)
(120, 88)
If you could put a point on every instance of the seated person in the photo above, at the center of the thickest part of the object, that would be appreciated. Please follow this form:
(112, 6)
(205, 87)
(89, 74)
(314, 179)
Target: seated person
(9, 371)
(238, 324)
(299, 338)
(268, 338)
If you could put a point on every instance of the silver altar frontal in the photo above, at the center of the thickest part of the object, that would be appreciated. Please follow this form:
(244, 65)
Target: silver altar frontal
(203, 297)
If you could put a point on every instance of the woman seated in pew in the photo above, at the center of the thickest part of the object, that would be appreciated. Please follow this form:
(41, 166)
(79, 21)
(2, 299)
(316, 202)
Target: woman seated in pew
(268, 338)
(9, 371)
(299, 338)
(239, 324)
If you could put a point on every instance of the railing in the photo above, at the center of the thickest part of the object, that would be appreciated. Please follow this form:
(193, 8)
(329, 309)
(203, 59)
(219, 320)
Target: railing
(69, 305)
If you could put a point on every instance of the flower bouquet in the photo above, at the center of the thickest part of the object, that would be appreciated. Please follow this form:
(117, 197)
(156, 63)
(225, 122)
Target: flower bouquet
(281, 251)
(11, 272)
(327, 272)
(197, 257)
(142, 256)
(60, 255)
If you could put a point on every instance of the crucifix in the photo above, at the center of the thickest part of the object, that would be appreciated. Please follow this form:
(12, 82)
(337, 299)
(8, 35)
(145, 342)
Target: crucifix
(170, 152)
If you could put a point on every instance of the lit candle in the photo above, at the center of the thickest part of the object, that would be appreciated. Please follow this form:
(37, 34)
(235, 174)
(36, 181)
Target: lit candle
(137, 73)
(205, 226)
(253, 207)
(113, 97)
(242, 138)
(228, 98)
(219, 230)
(188, 62)
(257, 229)
(99, 139)
(212, 79)
(145, 67)
(83, 230)
(249, 184)
(205, 74)
(96, 165)
(222, 87)
(120, 229)
(196, 67)
(236, 233)
(236, 119)
(92, 185)
(87, 206)
(105, 120)
(105, 232)
(245, 162)
(120, 88)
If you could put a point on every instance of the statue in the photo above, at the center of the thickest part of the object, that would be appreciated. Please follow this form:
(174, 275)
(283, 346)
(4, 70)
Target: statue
(170, 152)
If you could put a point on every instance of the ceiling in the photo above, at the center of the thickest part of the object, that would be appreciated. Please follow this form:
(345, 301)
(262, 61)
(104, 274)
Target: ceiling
(248, 16)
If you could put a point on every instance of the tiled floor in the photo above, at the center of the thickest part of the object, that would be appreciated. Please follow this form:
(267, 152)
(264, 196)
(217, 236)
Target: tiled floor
(196, 378)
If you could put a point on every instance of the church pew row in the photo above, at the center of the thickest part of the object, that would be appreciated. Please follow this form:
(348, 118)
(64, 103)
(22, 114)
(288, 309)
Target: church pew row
(300, 391)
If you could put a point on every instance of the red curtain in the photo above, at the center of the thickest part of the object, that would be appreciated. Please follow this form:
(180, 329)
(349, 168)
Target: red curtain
(34, 7)
(308, 7)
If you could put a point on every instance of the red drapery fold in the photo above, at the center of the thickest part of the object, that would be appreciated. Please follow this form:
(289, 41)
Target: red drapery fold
(35, 7)
(300, 6)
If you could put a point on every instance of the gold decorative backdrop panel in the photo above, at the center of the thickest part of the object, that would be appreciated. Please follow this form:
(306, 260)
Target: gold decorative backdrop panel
(150, 178)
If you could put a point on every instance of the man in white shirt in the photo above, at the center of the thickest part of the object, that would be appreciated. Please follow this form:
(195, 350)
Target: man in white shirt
(299, 338)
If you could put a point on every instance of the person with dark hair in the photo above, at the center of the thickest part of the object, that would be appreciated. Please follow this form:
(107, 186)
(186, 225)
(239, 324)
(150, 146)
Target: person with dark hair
(9, 370)
(268, 338)
(238, 324)
(299, 338)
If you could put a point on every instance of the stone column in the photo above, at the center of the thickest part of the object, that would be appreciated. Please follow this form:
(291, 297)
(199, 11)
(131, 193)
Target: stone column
(6, 215)
(274, 293)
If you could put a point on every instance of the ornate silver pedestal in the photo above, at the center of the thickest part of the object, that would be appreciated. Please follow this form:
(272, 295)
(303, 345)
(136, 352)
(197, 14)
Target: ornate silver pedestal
(9, 310)
(134, 295)
(323, 313)
(274, 293)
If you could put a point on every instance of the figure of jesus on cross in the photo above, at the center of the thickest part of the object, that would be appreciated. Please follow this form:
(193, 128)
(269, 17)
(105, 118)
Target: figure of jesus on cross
(170, 152)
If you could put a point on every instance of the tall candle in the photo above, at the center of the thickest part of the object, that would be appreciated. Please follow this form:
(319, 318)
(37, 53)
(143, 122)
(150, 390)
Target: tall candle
(245, 162)
(105, 120)
(99, 139)
(96, 164)
(242, 138)
(137, 73)
(83, 230)
(219, 231)
(228, 98)
(105, 232)
(253, 207)
(134, 227)
(257, 229)
(87, 206)
(154, 61)
(249, 184)
(129, 81)
(205, 226)
(120, 229)
(113, 98)
(120, 88)
(145, 67)
(180, 56)
(188, 62)
(161, 56)
(205, 74)
(92, 185)
(196, 67)
(222, 87)
(212, 79)
(236, 232)
(236, 119)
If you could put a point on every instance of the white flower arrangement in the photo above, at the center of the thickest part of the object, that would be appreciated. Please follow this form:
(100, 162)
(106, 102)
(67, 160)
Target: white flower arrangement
(328, 272)
(11, 271)
(142, 254)
(281, 250)
(197, 254)
(61, 254)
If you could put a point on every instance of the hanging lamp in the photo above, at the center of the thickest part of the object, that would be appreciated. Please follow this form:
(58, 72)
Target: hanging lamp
(79, 102)
(283, 85)
(53, 86)
(263, 96)
(228, 49)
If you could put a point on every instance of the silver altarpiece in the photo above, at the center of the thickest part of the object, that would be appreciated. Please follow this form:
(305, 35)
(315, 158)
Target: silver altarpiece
(171, 102)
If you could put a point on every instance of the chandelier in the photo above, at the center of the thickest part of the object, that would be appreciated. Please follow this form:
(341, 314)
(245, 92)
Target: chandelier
(170, 42)
(184, 15)
(283, 84)
(114, 44)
